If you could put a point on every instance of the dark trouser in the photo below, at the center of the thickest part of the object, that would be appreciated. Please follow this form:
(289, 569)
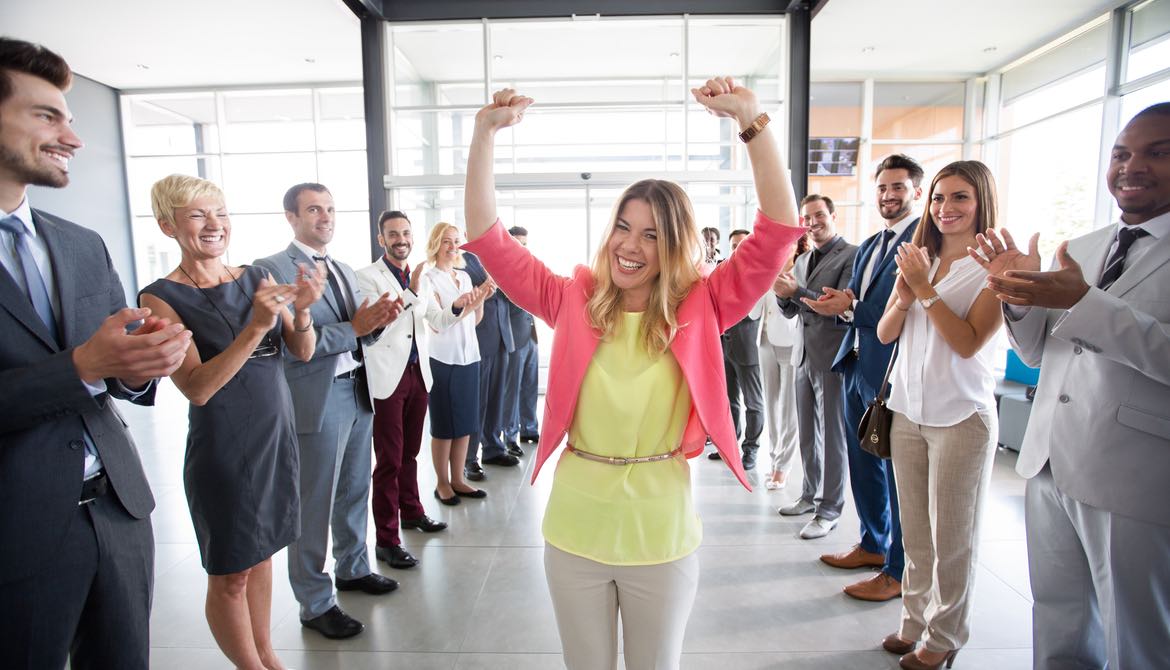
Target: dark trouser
(871, 479)
(746, 380)
(90, 604)
(398, 428)
(520, 392)
(493, 368)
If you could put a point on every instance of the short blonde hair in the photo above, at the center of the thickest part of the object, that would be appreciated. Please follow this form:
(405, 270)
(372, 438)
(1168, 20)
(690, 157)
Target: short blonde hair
(435, 240)
(178, 190)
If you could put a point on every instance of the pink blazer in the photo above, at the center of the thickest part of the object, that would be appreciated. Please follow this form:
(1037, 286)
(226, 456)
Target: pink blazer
(716, 302)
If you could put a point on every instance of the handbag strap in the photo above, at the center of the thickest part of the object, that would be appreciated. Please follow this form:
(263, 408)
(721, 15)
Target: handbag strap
(889, 369)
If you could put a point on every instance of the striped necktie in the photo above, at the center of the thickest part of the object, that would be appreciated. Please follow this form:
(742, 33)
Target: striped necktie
(1116, 265)
(34, 283)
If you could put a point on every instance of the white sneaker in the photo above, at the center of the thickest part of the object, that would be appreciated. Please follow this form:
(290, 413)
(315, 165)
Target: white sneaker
(797, 508)
(818, 527)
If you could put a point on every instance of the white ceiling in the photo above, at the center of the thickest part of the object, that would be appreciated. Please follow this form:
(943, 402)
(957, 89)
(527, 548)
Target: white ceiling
(137, 44)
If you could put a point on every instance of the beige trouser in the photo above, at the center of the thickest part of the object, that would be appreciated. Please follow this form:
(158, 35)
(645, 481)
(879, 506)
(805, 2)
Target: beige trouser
(942, 475)
(654, 600)
(779, 404)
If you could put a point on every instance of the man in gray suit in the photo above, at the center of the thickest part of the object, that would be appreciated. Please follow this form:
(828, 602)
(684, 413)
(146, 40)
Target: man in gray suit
(1097, 448)
(523, 375)
(77, 563)
(334, 421)
(742, 367)
(819, 404)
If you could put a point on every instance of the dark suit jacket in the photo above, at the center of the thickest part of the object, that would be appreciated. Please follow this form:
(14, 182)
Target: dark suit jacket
(523, 325)
(496, 325)
(873, 357)
(45, 408)
(820, 336)
(739, 342)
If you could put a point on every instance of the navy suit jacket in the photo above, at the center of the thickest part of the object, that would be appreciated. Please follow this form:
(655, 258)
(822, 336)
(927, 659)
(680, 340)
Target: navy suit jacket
(873, 357)
(496, 325)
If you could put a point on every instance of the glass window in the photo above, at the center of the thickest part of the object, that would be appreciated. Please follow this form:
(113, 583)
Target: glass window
(255, 183)
(758, 59)
(256, 236)
(268, 121)
(1149, 40)
(171, 124)
(1077, 54)
(1140, 99)
(918, 111)
(341, 123)
(835, 109)
(932, 157)
(426, 55)
(142, 173)
(1054, 98)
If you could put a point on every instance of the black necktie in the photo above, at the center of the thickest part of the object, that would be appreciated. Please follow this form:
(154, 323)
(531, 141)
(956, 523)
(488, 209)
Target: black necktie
(1116, 265)
(813, 260)
(335, 287)
(887, 235)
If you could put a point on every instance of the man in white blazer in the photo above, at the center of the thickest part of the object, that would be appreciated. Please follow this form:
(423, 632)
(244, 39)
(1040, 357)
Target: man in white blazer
(399, 374)
(1097, 448)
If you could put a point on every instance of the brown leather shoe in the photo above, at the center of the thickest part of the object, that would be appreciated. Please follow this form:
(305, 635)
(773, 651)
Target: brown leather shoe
(911, 661)
(855, 558)
(896, 645)
(879, 588)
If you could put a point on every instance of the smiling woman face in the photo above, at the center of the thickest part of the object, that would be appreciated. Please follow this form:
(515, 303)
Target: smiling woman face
(202, 228)
(953, 206)
(449, 248)
(633, 250)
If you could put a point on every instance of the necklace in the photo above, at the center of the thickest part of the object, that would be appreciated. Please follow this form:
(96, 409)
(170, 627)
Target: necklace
(266, 347)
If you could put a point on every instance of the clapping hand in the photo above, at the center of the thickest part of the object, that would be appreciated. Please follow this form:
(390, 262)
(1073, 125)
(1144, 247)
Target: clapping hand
(998, 256)
(269, 301)
(913, 267)
(506, 109)
(785, 285)
(1057, 289)
(154, 349)
(310, 285)
(370, 316)
(833, 302)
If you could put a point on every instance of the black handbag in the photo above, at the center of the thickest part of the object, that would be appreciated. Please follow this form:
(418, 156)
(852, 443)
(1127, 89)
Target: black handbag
(873, 433)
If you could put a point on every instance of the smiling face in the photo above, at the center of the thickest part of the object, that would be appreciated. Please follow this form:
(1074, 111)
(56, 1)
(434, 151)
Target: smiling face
(448, 248)
(633, 252)
(1139, 169)
(815, 214)
(896, 194)
(396, 238)
(202, 228)
(953, 206)
(36, 141)
(313, 221)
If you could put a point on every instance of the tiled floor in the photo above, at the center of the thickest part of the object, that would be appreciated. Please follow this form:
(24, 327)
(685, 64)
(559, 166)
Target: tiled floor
(478, 598)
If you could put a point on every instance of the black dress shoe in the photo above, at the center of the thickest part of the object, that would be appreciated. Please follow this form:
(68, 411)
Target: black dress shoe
(334, 624)
(475, 493)
(453, 500)
(425, 523)
(533, 438)
(514, 449)
(714, 456)
(474, 472)
(396, 556)
(749, 459)
(504, 460)
(373, 584)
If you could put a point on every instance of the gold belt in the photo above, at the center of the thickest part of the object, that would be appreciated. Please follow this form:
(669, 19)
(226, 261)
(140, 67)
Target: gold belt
(613, 460)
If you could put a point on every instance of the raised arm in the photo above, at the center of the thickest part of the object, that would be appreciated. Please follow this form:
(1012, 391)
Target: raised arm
(479, 195)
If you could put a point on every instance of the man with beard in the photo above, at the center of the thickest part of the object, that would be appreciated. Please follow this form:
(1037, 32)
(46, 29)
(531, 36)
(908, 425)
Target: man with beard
(862, 361)
(1097, 448)
(818, 389)
(400, 378)
(333, 420)
(77, 566)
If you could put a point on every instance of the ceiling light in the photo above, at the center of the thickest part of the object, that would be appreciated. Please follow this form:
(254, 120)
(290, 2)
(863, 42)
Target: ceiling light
(674, 54)
(310, 61)
(142, 66)
(867, 50)
(988, 50)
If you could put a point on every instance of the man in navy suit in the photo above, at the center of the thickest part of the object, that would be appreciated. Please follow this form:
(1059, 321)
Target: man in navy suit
(77, 563)
(523, 373)
(862, 361)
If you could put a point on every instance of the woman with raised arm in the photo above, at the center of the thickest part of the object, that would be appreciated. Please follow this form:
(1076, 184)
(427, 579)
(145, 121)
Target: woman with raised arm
(636, 382)
(943, 434)
(241, 468)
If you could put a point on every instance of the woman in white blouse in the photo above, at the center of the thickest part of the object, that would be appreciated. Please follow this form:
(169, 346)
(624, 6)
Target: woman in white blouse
(454, 399)
(944, 429)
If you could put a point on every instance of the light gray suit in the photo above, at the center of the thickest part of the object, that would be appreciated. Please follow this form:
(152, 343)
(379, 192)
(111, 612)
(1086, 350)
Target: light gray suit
(818, 388)
(1097, 452)
(334, 423)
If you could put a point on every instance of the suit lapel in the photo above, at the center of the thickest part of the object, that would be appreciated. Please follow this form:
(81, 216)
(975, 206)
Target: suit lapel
(297, 256)
(906, 236)
(1090, 252)
(16, 301)
(836, 247)
(1154, 258)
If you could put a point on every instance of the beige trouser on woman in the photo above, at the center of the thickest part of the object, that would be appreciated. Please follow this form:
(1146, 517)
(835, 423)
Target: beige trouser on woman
(655, 602)
(779, 404)
(942, 475)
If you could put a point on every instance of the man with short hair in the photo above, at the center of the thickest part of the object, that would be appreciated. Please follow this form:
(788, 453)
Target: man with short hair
(333, 420)
(829, 264)
(77, 564)
(862, 361)
(710, 244)
(523, 372)
(742, 368)
(1097, 449)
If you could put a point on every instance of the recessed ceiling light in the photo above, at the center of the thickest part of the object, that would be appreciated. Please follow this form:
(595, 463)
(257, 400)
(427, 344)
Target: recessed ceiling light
(674, 54)
(142, 66)
(866, 50)
(310, 61)
(497, 57)
(988, 50)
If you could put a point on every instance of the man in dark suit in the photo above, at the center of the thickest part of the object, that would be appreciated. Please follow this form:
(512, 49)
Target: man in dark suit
(829, 264)
(76, 567)
(334, 421)
(862, 361)
(742, 367)
(494, 333)
(523, 372)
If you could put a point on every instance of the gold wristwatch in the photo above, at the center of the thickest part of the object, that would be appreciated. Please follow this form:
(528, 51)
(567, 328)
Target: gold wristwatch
(758, 125)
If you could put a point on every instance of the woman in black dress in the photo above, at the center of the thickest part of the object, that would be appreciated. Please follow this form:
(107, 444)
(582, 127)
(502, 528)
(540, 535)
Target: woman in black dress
(241, 470)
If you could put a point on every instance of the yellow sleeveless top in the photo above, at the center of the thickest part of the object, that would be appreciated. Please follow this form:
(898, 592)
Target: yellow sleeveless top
(631, 404)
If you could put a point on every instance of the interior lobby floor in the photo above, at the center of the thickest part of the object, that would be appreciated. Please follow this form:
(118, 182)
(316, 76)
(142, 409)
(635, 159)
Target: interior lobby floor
(478, 598)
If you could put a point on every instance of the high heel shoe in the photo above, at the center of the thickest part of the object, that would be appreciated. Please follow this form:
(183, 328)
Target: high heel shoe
(453, 500)
(912, 662)
(894, 644)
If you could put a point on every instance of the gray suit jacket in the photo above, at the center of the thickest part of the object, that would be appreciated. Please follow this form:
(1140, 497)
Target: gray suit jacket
(310, 382)
(1101, 416)
(45, 408)
(820, 336)
(739, 341)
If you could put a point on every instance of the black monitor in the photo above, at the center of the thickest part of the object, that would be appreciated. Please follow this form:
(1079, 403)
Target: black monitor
(832, 156)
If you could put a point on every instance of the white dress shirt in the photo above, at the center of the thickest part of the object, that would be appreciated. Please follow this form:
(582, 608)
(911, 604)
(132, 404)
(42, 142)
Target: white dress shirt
(456, 345)
(931, 384)
(345, 360)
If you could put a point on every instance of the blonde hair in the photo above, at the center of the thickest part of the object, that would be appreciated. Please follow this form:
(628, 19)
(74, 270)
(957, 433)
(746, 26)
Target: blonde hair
(680, 251)
(978, 176)
(178, 190)
(435, 241)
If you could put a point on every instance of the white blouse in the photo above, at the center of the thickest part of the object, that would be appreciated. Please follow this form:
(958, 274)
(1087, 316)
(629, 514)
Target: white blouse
(456, 345)
(931, 384)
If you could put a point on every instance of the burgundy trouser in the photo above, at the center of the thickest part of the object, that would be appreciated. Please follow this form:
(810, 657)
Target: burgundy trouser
(398, 428)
